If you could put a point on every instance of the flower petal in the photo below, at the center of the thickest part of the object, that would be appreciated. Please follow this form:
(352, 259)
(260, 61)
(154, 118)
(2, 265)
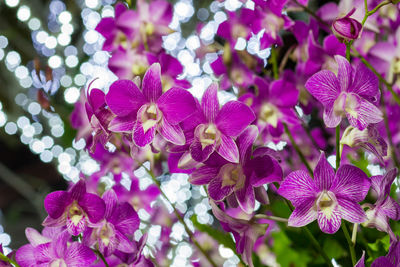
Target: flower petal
(297, 186)
(151, 86)
(122, 124)
(350, 183)
(203, 175)
(176, 105)
(304, 213)
(344, 72)
(329, 223)
(128, 220)
(217, 191)
(365, 84)
(56, 202)
(79, 255)
(110, 200)
(171, 133)
(246, 198)
(331, 119)
(228, 149)
(324, 86)
(361, 113)
(210, 103)
(323, 174)
(351, 211)
(233, 118)
(124, 97)
(245, 142)
(94, 207)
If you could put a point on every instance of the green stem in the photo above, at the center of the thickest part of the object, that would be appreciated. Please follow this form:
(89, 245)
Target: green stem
(296, 147)
(101, 257)
(274, 61)
(337, 146)
(272, 218)
(348, 46)
(181, 220)
(369, 13)
(7, 259)
(387, 84)
(351, 245)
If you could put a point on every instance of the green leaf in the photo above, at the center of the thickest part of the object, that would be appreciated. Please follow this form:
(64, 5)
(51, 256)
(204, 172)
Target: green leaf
(333, 249)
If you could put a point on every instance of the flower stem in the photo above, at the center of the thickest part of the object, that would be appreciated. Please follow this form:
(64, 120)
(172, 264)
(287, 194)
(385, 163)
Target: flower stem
(350, 243)
(296, 147)
(181, 220)
(369, 13)
(337, 147)
(272, 218)
(387, 84)
(7, 259)
(101, 257)
(354, 234)
(274, 59)
(348, 46)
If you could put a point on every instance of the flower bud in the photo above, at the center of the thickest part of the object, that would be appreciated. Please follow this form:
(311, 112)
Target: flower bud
(347, 28)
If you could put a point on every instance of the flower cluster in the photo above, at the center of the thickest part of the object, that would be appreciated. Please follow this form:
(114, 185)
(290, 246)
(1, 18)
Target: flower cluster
(252, 157)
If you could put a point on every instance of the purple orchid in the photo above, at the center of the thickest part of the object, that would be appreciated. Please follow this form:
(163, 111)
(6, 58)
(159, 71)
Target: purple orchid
(245, 232)
(120, 222)
(59, 252)
(328, 198)
(273, 104)
(245, 179)
(74, 208)
(99, 117)
(369, 139)
(385, 207)
(219, 127)
(347, 27)
(147, 111)
(353, 92)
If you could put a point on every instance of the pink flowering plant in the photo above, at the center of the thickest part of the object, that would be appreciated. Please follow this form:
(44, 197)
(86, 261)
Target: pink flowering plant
(286, 141)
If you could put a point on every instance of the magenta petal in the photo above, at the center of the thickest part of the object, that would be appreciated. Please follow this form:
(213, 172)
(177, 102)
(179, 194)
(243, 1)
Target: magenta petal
(363, 114)
(151, 86)
(324, 86)
(124, 244)
(344, 72)
(128, 220)
(303, 214)
(297, 186)
(331, 224)
(331, 120)
(110, 200)
(25, 256)
(94, 207)
(209, 102)
(198, 153)
(265, 170)
(246, 198)
(171, 133)
(176, 105)
(142, 138)
(351, 183)
(261, 195)
(323, 174)
(365, 83)
(233, 118)
(79, 255)
(122, 124)
(203, 175)
(124, 97)
(56, 202)
(245, 142)
(351, 211)
(285, 93)
(360, 262)
(35, 238)
(228, 149)
(217, 191)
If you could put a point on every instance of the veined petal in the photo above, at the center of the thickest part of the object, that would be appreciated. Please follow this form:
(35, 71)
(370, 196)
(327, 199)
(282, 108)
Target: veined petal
(361, 113)
(390, 208)
(79, 255)
(365, 84)
(110, 200)
(351, 211)
(344, 72)
(128, 220)
(124, 97)
(217, 191)
(151, 86)
(246, 198)
(350, 183)
(209, 102)
(171, 133)
(323, 174)
(203, 175)
(122, 124)
(330, 223)
(228, 149)
(233, 118)
(245, 142)
(324, 86)
(297, 186)
(176, 105)
(140, 137)
(304, 213)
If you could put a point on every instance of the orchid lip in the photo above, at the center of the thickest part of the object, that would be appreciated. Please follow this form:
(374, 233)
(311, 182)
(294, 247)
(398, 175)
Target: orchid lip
(326, 202)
